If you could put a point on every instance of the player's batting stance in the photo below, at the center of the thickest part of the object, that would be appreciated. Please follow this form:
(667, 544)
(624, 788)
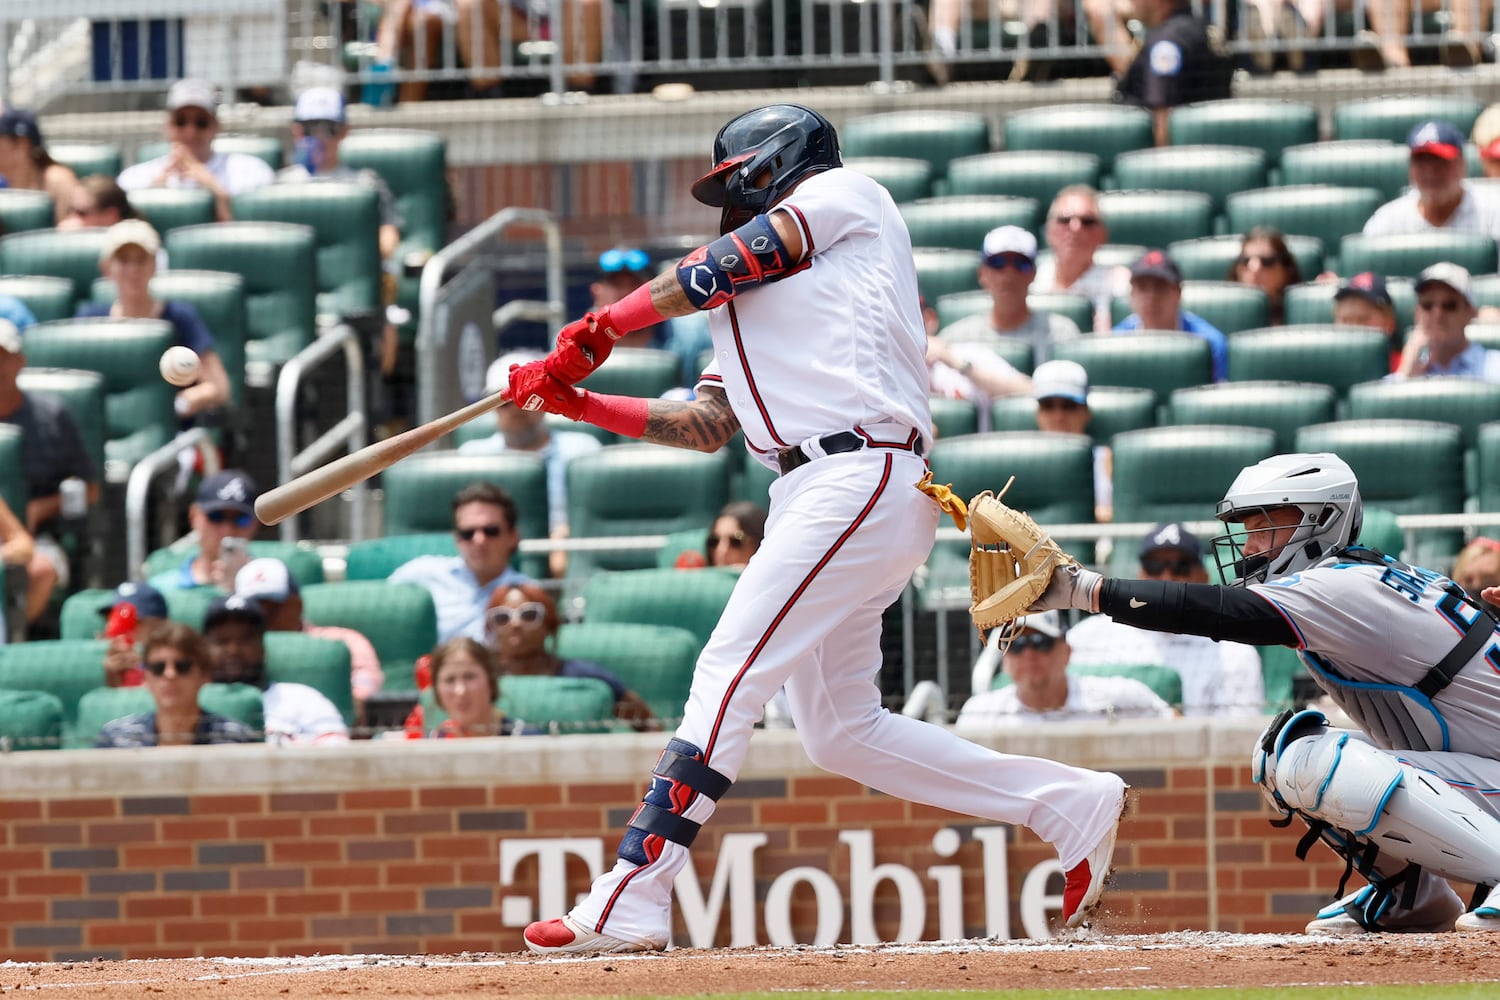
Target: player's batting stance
(1409, 798)
(819, 348)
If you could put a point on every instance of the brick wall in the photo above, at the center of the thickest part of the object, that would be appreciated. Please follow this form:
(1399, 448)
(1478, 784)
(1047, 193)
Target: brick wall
(394, 847)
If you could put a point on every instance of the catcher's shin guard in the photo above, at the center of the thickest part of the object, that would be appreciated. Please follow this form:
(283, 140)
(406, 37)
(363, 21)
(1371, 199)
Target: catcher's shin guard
(679, 777)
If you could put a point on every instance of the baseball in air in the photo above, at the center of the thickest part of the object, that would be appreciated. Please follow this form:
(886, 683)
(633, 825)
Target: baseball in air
(180, 366)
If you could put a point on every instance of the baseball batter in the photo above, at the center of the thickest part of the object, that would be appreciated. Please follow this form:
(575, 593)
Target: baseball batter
(1413, 796)
(818, 343)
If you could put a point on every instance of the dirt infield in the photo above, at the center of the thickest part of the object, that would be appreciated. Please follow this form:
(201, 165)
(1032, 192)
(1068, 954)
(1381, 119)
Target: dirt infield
(1087, 961)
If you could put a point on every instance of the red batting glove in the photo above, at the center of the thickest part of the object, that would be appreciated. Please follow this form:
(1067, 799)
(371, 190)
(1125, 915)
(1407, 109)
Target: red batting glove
(582, 346)
(533, 387)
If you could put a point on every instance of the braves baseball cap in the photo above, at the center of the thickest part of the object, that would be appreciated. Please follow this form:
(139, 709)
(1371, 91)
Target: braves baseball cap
(193, 94)
(1436, 138)
(1455, 276)
(1366, 285)
(1065, 379)
(265, 579)
(1156, 264)
(320, 104)
(128, 233)
(497, 377)
(10, 337)
(228, 490)
(1008, 239)
(233, 608)
(1048, 623)
(1173, 536)
(20, 123)
(146, 600)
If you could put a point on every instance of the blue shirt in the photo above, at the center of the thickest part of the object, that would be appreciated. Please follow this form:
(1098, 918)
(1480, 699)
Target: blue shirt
(563, 447)
(1475, 361)
(459, 599)
(1192, 323)
(16, 311)
(187, 325)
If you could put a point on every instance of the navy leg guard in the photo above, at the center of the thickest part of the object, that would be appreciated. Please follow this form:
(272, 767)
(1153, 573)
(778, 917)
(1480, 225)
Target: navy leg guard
(679, 777)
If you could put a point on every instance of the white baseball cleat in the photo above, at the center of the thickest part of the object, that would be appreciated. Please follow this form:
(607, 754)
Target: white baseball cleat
(564, 936)
(1083, 886)
(1334, 920)
(1485, 917)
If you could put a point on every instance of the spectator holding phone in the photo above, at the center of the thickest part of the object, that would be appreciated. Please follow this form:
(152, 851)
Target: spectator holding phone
(223, 517)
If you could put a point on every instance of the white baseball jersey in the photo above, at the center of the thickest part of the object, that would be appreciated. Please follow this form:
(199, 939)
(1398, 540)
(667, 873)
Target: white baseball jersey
(1090, 699)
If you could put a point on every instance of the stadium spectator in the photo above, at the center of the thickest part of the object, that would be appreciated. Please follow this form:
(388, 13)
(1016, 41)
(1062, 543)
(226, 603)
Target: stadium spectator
(15, 311)
(1266, 263)
(1439, 196)
(129, 260)
(16, 549)
(97, 201)
(484, 528)
(55, 453)
(1042, 690)
(624, 269)
(1156, 304)
(1477, 569)
(1218, 678)
(176, 666)
(1486, 138)
(1364, 301)
(1007, 268)
(519, 430)
(26, 164)
(521, 625)
(235, 629)
(191, 124)
(736, 534)
(1075, 232)
(1179, 62)
(1438, 343)
(270, 584)
(466, 686)
(224, 510)
(131, 611)
(1061, 391)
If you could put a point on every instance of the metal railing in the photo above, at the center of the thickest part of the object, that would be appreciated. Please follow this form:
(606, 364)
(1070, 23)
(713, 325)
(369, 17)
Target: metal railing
(138, 488)
(347, 434)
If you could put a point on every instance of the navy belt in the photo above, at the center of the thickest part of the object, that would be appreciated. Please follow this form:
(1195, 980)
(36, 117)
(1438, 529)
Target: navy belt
(834, 444)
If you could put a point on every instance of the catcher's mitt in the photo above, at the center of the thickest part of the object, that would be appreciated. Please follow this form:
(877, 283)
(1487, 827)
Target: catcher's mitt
(1011, 560)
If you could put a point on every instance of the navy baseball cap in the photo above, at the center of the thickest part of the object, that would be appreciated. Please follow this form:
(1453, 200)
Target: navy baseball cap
(231, 489)
(234, 608)
(1174, 536)
(1156, 264)
(1368, 286)
(1436, 138)
(146, 599)
(21, 124)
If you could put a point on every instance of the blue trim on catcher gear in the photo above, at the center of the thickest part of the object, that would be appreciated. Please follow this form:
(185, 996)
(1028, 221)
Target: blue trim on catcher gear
(1325, 670)
(750, 255)
(677, 778)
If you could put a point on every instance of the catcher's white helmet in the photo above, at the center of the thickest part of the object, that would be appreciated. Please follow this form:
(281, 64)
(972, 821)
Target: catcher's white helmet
(1321, 486)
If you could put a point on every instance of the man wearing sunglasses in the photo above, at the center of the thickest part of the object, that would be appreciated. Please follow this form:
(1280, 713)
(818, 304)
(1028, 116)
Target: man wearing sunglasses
(1042, 690)
(624, 269)
(190, 161)
(1218, 678)
(1075, 231)
(1061, 391)
(1007, 268)
(1156, 304)
(1439, 342)
(224, 509)
(1440, 196)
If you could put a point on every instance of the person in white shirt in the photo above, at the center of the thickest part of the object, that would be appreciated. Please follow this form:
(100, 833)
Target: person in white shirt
(1218, 678)
(1007, 269)
(1439, 197)
(192, 124)
(1061, 391)
(1439, 342)
(1075, 232)
(1042, 690)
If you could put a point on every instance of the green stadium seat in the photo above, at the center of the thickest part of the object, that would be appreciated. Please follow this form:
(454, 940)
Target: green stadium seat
(1279, 666)
(960, 223)
(1116, 254)
(1408, 255)
(13, 470)
(686, 599)
(654, 661)
(30, 720)
(240, 702)
(190, 605)
(1165, 682)
(1282, 407)
(46, 296)
(1486, 289)
(1321, 210)
(946, 272)
(264, 147)
(934, 136)
(563, 705)
(172, 208)
(80, 617)
(1076, 307)
(754, 484)
(1114, 409)
(1017, 351)
(906, 178)
(345, 218)
(280, 301)
(87, 159)
(72, 254)
(138, 402)
(678, 542)
(954, 417)
(418, 491)
(1102, 130)
(639, 489)
(1359, 163)
(1392, 118)
(1228, 305)
(636, 371)
(1217, 171)
(1212, 257)
(65, 668)
(377, 558)
(1466, 402)
(83, 392)
(1337, 356)
(23, 210)
(305, 565)
(1269, 125)
(398, 618)
(1156, 218)
(1018, 413)
(319, 663)
(1488, 466)
(1181, 473)
(1160, 362)
(960, 305)
(1035, 174)
(1311, 303)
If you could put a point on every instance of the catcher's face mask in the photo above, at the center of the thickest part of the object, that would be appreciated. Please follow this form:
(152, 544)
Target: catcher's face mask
(1263, 546)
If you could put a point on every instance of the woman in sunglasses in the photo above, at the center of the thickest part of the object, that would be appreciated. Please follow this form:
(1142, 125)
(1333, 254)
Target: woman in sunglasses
(1266, 263)
(466, 685)
(176, 662)
(736, 534)
(521, 628)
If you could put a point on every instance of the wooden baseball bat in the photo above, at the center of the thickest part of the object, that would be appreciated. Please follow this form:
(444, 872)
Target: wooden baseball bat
(317, 485)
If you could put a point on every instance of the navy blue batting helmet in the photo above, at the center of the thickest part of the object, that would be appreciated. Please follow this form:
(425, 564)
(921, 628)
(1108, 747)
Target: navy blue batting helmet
(787, 139)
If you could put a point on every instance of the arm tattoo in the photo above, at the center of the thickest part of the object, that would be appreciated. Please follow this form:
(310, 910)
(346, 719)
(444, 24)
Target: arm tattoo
(667, 295)
(704, 424)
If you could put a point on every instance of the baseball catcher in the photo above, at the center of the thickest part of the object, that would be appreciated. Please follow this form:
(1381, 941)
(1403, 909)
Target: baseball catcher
(1410, 657)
